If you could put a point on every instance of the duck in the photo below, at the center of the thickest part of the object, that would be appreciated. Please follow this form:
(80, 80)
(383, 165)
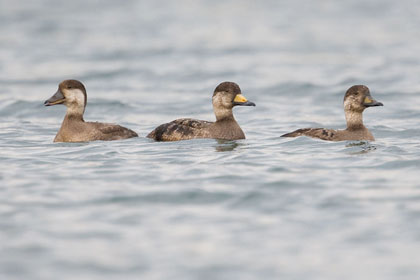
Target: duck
(226, 96)
(356, 100)
(72, 94)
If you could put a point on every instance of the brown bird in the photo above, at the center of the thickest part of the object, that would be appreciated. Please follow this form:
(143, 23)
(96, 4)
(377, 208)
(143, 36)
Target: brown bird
(72, 93)
(226, 96)
(356, 100)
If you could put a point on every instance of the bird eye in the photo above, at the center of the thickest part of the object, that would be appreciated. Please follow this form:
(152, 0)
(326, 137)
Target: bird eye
(68, 87)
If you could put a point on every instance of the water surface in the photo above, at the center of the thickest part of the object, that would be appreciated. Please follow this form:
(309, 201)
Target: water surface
(261, 208)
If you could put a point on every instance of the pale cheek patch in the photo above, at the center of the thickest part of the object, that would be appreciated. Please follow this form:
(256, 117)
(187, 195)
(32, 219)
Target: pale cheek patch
(75, 96)
(222, 106)
(219, 100)
(347, 104)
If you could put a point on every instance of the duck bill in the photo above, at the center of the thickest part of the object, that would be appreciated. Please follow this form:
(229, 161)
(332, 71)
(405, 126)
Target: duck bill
(370, 102)
(57, 98)
(240, 100)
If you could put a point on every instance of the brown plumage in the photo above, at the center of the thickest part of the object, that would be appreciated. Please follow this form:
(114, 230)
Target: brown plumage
(72, 93)
(225, 97)
(356, 100)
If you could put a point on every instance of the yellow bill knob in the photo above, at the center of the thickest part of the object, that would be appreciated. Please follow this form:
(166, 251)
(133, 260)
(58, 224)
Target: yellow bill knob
(368, 100)
(240, 98)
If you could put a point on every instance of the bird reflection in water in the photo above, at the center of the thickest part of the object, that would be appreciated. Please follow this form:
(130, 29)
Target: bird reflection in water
(226, 145)
(360, 147)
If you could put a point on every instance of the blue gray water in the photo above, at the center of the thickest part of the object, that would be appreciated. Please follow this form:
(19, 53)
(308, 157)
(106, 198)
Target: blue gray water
(261, 208)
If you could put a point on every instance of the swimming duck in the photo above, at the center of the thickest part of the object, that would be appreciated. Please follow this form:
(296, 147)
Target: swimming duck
(72, 93)
(356, 100)
(226, 96)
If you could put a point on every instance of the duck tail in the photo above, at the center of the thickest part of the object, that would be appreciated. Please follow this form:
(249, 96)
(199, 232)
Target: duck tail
(296, 133)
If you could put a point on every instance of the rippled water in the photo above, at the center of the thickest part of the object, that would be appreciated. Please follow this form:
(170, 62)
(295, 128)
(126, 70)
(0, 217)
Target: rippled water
(261, 208)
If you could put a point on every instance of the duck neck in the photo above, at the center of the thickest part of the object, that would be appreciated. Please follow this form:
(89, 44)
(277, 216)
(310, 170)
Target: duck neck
(75, 112)
(224, 114)
(354, 120)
